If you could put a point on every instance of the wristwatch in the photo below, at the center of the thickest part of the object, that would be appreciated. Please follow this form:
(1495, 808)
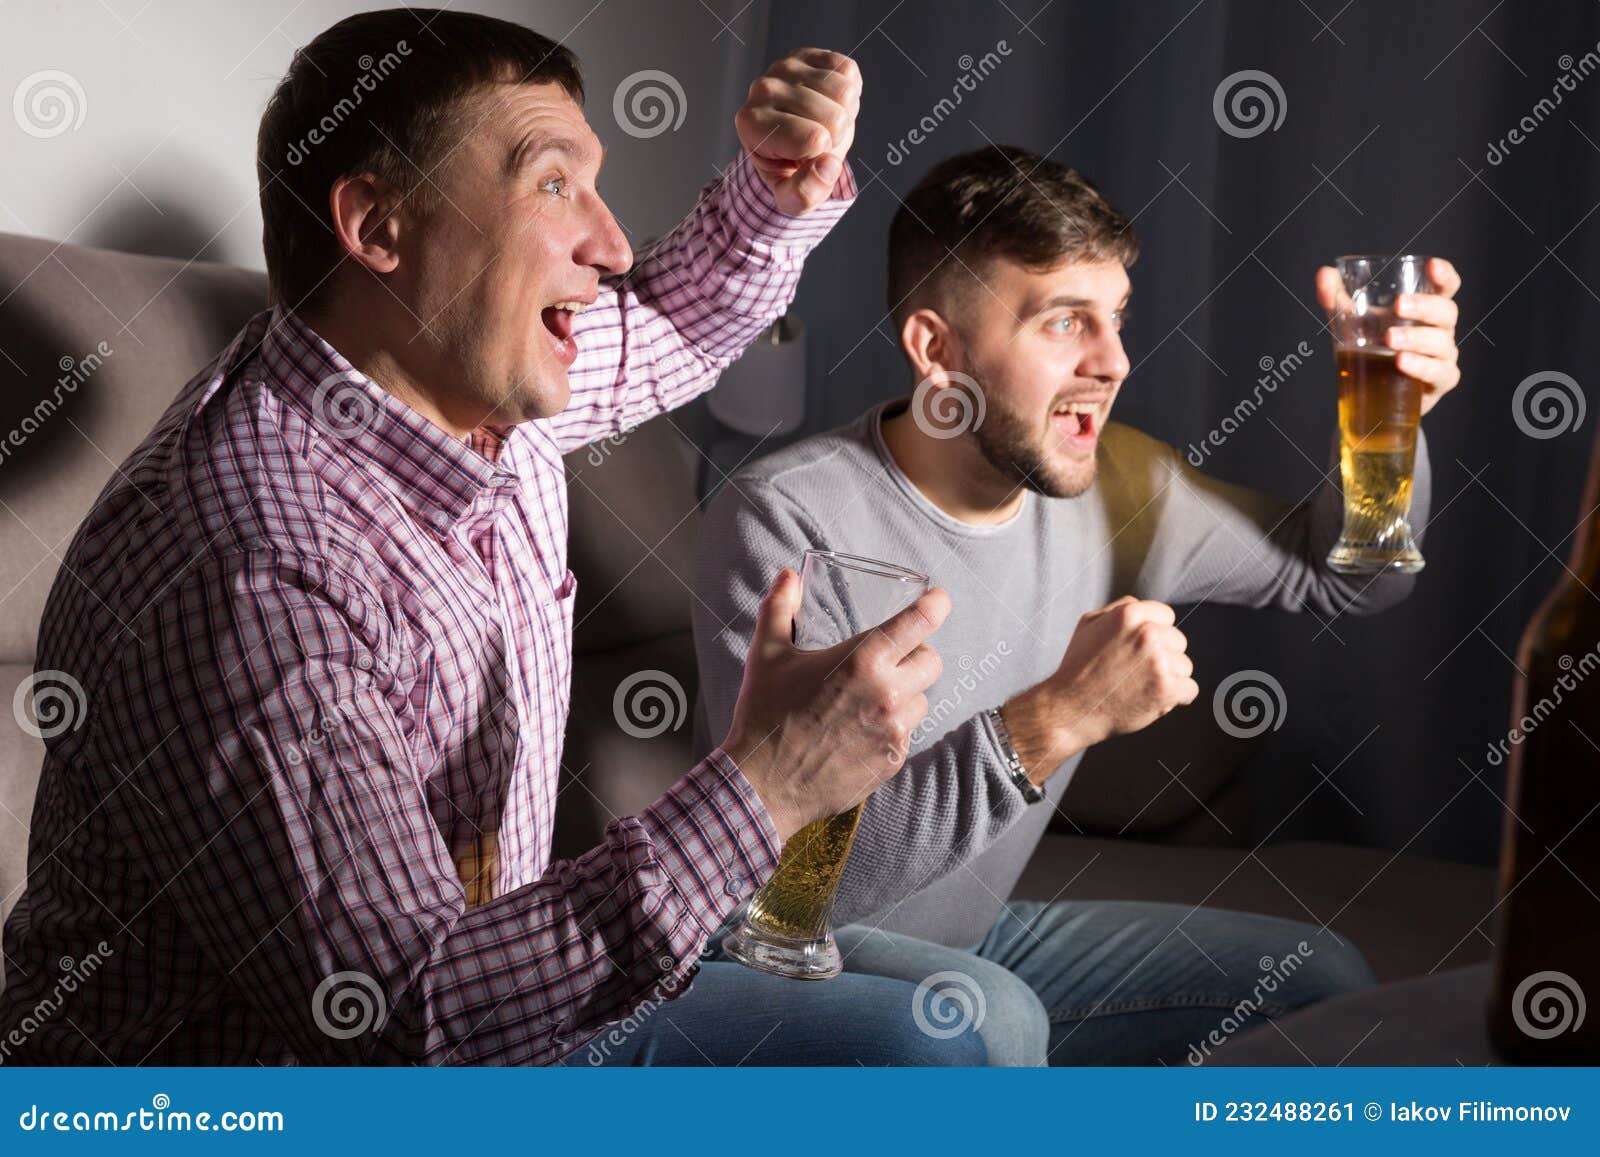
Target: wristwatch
(1031, 791)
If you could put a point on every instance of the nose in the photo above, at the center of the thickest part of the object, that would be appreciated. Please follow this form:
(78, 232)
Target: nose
(604, 247)
(1104, 358)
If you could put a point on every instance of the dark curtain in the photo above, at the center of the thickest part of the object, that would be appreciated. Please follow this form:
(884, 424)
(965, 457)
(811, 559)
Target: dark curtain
(1395, 119)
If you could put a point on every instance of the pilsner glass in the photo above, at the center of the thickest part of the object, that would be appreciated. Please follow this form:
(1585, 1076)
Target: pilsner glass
(786, 927)
(1379, 410)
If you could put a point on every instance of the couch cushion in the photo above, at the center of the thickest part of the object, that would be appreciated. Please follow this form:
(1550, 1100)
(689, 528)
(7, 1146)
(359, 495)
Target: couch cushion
(608, 770)
(633, 518)
(71, 408)
(1429, 1020)
(1408, 914)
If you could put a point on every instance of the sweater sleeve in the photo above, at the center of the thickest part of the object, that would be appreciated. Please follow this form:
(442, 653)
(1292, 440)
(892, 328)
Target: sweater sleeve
(1201, 539)
(951, 800)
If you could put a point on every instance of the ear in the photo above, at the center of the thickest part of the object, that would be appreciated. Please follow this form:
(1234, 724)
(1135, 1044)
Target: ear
(366, 221)
(931, 344)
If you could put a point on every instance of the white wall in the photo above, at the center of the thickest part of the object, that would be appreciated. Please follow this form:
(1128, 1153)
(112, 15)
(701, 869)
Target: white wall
(159, 157)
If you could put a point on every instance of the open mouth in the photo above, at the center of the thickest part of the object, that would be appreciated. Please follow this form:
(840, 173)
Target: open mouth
(1077, 423)
(558, 319)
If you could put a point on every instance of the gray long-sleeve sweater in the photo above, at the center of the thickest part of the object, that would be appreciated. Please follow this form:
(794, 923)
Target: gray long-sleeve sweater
(942, 844)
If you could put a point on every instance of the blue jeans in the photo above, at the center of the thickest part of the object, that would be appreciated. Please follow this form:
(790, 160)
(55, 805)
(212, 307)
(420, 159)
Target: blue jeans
(1067, 983)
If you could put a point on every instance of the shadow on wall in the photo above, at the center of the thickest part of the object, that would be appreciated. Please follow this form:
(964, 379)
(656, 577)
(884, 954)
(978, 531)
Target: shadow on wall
(53, 340)
(161, 218)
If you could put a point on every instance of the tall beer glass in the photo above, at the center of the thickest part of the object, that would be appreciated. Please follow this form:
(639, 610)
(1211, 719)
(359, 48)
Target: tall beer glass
(786, 927)
(1379, 410)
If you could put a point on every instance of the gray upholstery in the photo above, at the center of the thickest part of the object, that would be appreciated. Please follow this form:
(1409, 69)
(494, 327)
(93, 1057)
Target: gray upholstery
(1409, 914)
(1428, 1020)
(632, 526)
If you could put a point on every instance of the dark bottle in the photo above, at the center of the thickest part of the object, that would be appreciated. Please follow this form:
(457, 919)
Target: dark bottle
(1544, 1006)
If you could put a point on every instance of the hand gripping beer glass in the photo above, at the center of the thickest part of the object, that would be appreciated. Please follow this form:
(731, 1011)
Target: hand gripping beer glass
(785, 928)
(1379, 410)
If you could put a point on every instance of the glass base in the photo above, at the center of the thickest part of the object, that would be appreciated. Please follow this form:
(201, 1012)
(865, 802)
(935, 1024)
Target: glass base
(796, 959)
(1373, 558)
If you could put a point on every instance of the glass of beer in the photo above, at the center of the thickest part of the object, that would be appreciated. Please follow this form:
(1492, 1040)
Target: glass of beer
(1379, 410)
(786, 927)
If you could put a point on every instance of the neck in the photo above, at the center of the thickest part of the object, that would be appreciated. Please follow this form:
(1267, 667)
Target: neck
(952, 473)
(368, 346)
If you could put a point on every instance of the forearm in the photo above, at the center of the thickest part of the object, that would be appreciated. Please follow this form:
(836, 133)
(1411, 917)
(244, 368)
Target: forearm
(1047, 728)
(1216, 541)
(319, 891)
(693, 302)
(595, 937)
(948, 805)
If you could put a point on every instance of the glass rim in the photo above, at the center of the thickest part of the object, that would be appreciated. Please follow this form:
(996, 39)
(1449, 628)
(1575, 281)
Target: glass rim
(872, 566)
(1382, 258)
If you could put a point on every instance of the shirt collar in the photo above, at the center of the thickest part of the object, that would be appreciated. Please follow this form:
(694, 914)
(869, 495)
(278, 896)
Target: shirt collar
(436, 475)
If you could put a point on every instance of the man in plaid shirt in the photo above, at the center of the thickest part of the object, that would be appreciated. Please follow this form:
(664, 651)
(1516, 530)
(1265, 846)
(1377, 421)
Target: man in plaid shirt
(322, 615)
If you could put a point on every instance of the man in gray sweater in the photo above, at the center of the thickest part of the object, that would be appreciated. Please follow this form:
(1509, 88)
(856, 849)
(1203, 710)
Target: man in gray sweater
(1062, 539)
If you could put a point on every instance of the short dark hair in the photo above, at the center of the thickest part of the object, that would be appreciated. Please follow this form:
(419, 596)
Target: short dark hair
(336, 112)
(997, 201)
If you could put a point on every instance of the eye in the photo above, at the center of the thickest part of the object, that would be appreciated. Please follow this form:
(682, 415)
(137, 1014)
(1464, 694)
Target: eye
(557, 185)
(1121, 317)
(1060, 324)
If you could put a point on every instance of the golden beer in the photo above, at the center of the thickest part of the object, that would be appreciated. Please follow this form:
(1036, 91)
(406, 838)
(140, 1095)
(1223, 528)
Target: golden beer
(797, 902)
(1379, 409)
(1379, 412)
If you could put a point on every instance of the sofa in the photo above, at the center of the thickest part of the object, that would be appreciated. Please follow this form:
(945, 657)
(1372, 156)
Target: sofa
(1121, 834)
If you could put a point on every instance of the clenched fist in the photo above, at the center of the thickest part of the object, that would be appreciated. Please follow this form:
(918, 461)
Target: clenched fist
(797, 125)
(1125, 667)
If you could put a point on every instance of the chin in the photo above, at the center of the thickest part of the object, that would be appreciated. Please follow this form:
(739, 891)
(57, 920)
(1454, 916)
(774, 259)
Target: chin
(1070, 479)
(547, 396)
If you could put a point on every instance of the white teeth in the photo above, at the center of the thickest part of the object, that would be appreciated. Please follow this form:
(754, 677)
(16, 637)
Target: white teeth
(572, 306)
(1079, 408)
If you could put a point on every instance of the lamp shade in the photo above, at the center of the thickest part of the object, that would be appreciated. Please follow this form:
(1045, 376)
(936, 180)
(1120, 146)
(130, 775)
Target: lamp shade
(764, 392)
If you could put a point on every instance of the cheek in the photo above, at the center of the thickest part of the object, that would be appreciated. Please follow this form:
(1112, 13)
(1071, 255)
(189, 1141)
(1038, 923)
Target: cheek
(1023, 379)
(527, 275)
(534, 232)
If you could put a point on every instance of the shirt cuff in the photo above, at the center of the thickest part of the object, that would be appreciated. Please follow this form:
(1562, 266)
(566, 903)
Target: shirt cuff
(715, 839)
(753, 206)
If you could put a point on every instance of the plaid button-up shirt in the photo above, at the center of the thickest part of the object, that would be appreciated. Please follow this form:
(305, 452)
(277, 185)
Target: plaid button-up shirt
(324, 650)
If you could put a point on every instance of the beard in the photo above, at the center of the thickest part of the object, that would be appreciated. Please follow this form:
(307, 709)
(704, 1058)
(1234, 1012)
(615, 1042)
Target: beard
(1015, 447)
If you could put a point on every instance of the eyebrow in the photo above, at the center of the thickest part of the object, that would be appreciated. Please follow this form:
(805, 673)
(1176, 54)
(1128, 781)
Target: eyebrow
(535, 145)
(1067, 301)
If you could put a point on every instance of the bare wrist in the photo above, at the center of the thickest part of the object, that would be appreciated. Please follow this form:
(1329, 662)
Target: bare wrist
(757, 769)
(1044, 730)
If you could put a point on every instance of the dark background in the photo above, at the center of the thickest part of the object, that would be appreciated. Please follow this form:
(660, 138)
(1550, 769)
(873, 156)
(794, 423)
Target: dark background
(1389, 113)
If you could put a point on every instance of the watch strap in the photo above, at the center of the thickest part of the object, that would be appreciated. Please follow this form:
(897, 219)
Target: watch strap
(1031, 791)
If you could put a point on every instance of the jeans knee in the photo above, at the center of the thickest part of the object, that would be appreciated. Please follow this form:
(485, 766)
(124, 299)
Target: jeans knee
(992, 1001)
(908, 1044)
(1322, 966)
(880, 1021)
